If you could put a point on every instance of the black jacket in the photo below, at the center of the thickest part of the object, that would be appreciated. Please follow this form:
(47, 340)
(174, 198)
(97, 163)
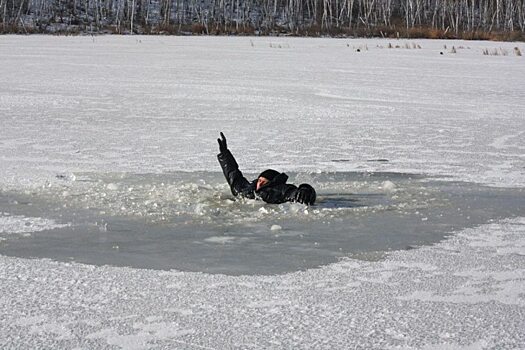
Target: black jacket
(275, 192)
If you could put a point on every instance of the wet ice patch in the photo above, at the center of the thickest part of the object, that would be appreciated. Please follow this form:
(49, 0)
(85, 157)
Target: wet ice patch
(22, 225)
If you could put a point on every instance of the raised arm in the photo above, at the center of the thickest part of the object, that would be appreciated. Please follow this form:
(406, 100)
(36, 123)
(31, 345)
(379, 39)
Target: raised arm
(230, 168)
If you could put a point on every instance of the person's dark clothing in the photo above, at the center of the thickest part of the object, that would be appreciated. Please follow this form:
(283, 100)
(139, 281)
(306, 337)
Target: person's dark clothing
(276, 191)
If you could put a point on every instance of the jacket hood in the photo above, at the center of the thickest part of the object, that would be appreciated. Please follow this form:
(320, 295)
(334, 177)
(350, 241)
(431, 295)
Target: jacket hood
(269, 174)
(279, 179)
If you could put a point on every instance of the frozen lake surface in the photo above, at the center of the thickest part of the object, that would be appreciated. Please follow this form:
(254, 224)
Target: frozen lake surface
(108, 157)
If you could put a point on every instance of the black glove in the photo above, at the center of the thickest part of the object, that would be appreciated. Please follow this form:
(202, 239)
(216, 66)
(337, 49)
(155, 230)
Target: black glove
(222, 143)
(305, 194)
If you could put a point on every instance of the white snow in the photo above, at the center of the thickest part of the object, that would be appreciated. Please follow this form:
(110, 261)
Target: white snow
(276, 228)
(388, 186)
(220, 240)
(156, 104)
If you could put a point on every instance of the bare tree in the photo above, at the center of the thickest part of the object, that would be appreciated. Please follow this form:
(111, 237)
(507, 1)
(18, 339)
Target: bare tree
(266, 15)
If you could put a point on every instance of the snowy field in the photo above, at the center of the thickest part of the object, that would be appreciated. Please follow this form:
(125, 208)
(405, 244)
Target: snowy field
(71, 106)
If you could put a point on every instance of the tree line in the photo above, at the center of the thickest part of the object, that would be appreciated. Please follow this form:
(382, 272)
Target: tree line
(300, 17)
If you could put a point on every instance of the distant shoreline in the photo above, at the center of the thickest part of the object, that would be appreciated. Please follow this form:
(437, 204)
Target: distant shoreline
(421, 34)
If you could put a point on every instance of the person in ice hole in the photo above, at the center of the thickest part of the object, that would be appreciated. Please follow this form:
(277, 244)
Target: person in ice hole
(270, 185)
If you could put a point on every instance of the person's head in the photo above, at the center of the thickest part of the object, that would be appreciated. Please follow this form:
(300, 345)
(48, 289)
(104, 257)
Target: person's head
(265, 177)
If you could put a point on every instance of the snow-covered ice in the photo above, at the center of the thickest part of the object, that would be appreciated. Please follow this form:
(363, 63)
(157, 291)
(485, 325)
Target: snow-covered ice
(464, 293)
(80, 105)
(156, 104)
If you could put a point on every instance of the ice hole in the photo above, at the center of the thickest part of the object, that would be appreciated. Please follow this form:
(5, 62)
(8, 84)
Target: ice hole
(191, 222)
